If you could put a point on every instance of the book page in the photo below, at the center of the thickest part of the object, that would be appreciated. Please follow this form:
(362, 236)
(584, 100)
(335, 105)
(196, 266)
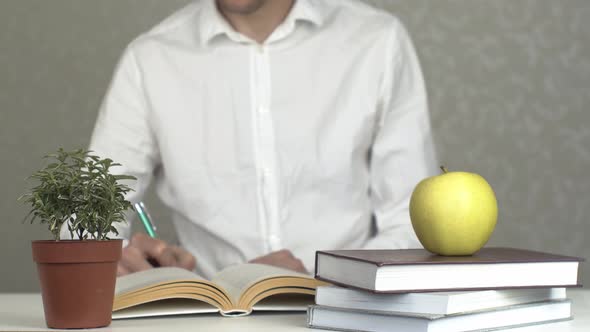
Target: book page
(165, 283)
(238, 278)
(177, 306)
(136, 281)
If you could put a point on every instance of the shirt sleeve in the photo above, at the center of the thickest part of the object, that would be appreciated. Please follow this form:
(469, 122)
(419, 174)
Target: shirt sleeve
(123, 133)
(403, 151)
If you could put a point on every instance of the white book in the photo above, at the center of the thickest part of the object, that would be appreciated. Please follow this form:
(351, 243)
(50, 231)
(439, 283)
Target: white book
(436, 303)
(507, 317)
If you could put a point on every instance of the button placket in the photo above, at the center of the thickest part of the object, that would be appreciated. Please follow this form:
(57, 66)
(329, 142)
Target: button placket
(266, 156)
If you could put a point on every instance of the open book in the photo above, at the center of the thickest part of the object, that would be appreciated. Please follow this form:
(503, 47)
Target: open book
(235, 291)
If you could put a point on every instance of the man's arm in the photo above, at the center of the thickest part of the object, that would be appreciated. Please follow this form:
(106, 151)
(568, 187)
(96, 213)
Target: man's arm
(403, 151)
(123, 133)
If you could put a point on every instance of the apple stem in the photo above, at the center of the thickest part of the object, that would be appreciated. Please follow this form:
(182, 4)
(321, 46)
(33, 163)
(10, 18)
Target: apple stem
(444, 169)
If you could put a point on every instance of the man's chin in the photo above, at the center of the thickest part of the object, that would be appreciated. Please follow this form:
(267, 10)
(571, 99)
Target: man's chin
(240, 7)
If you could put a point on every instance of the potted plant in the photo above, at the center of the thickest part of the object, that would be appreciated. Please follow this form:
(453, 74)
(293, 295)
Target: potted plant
(77, 276)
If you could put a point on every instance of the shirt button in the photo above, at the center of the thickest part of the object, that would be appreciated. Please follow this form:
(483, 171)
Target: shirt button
(275, 242)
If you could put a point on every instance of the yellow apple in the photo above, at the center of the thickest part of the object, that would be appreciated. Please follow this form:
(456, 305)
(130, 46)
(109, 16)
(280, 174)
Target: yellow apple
(453, 214)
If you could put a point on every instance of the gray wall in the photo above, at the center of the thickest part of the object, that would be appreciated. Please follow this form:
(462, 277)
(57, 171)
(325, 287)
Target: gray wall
(509, 85)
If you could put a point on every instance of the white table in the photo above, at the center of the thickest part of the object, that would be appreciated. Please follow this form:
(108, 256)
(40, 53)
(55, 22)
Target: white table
(24, 312)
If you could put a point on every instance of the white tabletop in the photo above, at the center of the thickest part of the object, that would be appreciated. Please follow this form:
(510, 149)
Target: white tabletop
(24, 312)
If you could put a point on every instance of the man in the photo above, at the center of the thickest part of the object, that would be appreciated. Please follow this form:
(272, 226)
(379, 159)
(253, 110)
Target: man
(272, 128)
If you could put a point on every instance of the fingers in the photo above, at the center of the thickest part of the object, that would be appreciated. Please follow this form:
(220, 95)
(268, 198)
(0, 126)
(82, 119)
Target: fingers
(122, 270)
(274, 257)
(167, 257)
(283, 258)
(184, 259)
(295, 264)
(143, 249)
(132, 260)
(149, 246)
(176, 256)
(291, 262)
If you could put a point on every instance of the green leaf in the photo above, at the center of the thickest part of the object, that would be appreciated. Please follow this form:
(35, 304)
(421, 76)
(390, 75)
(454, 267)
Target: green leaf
(124, 177)
(78, 183)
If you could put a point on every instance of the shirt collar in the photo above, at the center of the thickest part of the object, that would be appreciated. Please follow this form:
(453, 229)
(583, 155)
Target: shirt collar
(212, 23)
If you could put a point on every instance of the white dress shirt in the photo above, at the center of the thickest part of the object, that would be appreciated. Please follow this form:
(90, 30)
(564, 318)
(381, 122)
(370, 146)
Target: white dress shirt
(312, 140)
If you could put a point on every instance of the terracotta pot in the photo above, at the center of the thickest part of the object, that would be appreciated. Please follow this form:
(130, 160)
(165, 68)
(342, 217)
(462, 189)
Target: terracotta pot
(77, 281)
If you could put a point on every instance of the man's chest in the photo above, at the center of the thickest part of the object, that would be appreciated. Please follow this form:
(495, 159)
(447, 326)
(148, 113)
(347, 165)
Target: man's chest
(230, 107)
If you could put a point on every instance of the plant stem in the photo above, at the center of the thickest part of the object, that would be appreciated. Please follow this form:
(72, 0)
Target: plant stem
(444, 169)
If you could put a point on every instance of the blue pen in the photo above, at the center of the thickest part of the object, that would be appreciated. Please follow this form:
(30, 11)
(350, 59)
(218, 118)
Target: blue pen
(149, 226)
(145, 218)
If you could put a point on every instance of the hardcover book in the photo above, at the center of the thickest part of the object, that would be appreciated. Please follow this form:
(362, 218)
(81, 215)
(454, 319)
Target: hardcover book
(486, 320)
(436, 303)
(417, 270)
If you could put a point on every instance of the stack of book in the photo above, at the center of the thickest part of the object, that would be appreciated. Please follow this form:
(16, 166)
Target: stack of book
(414, 290)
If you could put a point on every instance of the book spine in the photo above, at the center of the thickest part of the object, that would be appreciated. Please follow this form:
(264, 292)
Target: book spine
(315, 272)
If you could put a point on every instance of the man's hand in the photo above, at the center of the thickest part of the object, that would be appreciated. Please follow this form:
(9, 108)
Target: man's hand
(143, 249)
(282, 258)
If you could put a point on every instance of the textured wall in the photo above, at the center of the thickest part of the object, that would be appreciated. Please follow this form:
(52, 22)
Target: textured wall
(508, 82)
